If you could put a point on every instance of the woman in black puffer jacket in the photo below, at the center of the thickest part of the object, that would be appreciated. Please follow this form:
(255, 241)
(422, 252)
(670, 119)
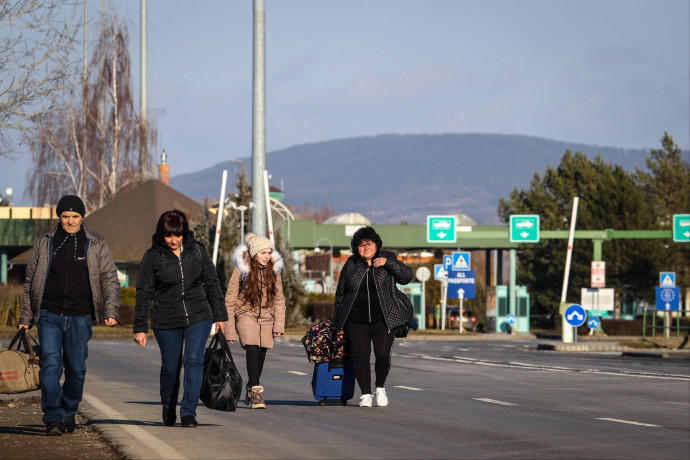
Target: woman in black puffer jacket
(173, 275)
(367, 309)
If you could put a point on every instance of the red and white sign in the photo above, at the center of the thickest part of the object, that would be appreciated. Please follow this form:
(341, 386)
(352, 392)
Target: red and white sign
(598, 274)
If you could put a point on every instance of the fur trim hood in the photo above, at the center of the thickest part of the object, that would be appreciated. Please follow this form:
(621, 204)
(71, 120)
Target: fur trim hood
(240, 256)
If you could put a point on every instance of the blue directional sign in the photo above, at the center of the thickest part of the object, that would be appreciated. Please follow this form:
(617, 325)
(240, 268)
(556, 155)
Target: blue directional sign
(447, 262)
(439, 272)
(511, 319)
(575, 315)
(461, 261)
(593, 322)
(667, 279)
(668, 298)
(461, 283)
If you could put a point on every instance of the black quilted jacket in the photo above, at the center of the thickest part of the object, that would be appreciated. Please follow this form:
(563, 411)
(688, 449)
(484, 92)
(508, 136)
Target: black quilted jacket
(386, 276)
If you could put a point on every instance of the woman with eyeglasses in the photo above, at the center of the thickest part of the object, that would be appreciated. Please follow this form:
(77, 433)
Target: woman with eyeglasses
(367, 309)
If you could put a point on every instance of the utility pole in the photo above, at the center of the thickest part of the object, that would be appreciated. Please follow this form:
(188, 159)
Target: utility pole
(259, 120)
(144, 167)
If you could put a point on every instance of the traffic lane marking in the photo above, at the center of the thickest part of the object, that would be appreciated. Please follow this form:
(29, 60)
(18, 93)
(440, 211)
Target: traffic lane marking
(628, 422)
(403, 387)
(537, 367)
(160, 447)
(495, 401)
(297, 373)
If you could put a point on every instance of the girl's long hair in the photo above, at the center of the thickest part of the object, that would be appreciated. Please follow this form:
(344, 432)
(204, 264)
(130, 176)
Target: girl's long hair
(251, 291)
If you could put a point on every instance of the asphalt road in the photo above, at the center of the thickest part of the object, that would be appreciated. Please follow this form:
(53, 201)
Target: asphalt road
(483, 399)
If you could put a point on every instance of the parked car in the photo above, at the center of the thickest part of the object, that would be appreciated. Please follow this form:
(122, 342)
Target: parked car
(469, 321)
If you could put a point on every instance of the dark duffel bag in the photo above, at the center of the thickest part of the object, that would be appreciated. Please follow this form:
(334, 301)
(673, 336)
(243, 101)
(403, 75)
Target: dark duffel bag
(222, 383)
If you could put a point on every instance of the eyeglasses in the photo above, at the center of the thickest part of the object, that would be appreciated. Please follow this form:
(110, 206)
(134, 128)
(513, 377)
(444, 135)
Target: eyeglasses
(366, 245)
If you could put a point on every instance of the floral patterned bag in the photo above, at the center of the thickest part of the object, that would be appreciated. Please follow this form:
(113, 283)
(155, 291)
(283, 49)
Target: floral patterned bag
(324, 343)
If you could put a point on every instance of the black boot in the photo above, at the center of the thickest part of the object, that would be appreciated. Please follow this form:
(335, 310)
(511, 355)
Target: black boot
(169, 416)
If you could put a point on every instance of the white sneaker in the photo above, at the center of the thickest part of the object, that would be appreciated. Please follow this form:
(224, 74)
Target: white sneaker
(365, 400)
(381, 398)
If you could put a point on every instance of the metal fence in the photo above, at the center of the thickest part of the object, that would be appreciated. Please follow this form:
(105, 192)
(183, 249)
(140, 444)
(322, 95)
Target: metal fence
(666, 324)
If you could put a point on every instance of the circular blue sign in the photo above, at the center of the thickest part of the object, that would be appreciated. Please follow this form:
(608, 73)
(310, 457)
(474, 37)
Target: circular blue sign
(593, 322)
(511, 319)
(575, 315)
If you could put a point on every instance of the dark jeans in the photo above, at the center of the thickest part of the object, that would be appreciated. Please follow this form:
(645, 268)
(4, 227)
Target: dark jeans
(180, 346)
(255, 356)
(360, 337)
(63, 342)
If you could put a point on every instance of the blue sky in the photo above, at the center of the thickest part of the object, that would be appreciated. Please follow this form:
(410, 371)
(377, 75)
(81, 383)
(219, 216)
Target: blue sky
(605, 72)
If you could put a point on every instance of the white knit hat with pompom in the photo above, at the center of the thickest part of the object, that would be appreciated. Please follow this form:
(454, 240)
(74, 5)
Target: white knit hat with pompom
(257, 243)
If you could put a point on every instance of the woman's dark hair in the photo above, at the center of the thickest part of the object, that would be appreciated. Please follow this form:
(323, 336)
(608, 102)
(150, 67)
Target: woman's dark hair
(365, 233)
(172, 223)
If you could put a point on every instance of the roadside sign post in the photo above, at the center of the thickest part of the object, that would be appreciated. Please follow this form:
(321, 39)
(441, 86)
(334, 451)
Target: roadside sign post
(667, 298)
(667, 279)
(440, 229)
(681, 228)
(575, 316)
(461, 283)
(447, 262)
(512, 320)
(598, 274)
(460, 309)
(423, 275)
(461, 261)
(524, 228)
(593, 323)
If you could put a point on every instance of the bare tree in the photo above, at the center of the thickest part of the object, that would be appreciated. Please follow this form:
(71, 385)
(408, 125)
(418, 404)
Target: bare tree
(37, 39)
(90, 146)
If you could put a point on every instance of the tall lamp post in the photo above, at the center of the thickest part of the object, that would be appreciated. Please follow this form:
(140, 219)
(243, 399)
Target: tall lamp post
(330, 262)
(242, 208)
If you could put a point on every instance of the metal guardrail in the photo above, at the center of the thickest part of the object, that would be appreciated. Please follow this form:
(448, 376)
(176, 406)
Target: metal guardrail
(666, 321)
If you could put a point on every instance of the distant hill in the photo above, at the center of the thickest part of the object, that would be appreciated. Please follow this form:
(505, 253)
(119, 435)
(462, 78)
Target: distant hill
(389, 178)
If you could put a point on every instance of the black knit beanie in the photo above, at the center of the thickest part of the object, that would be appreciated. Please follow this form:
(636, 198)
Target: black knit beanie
(70, 203)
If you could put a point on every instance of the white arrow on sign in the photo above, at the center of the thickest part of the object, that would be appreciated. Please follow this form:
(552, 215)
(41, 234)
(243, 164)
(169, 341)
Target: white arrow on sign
(575, 314)
(686, 234)
(442, 234)
(592, 322)
(668, 306)
(524, 234)
(461, 293)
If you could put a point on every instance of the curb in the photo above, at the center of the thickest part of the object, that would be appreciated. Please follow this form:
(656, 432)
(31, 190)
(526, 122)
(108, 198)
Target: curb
(625, 351)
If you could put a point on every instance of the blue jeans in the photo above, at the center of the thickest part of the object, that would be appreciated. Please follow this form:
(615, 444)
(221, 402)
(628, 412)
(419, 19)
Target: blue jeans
(63, 342)
(174, 355)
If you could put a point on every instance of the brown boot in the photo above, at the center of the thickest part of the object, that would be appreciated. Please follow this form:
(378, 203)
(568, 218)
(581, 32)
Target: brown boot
(257, 400)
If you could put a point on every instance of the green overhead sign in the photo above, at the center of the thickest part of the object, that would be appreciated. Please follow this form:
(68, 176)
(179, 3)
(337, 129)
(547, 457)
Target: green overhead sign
(440, 229)
(681, 228)
(524, 229)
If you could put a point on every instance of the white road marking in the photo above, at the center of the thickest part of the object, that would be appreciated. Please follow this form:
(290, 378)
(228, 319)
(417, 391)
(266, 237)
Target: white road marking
(296, 373)
(629, 422)
(160, 447)
(536, 367)
(495, 401)
(403, 387)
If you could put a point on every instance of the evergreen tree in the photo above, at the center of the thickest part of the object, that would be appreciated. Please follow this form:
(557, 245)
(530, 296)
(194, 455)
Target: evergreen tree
(609, 198)
(667, 187)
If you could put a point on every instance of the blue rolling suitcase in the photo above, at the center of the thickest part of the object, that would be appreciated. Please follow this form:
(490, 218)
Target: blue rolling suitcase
(334, 380)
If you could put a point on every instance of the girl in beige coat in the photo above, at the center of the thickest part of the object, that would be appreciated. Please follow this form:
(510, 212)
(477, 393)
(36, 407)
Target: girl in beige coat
(256, 307)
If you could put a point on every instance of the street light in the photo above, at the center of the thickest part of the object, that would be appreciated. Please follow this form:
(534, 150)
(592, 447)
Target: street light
(330, 261)
(242, 208)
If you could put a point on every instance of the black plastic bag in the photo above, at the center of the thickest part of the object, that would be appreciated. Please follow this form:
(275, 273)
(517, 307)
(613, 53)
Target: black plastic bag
(221, 386)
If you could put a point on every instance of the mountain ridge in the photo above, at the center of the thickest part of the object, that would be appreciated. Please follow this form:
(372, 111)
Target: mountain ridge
(391, 178)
